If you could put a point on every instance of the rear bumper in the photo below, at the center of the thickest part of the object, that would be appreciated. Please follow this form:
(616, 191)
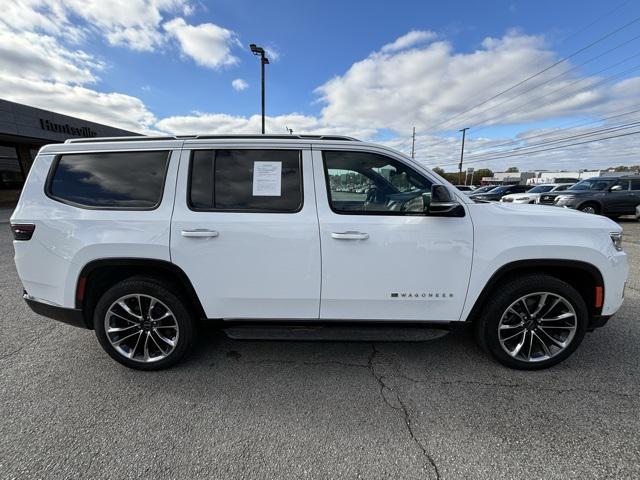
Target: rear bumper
(70, 316)
(598, 321)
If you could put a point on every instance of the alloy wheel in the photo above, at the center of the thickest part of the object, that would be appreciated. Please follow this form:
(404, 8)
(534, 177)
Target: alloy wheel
(141, 328)
(588, 209)
(537, 327)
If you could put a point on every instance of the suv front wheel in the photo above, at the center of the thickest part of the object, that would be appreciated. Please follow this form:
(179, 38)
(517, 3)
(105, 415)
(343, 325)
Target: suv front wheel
(533, 322)
(140, 323)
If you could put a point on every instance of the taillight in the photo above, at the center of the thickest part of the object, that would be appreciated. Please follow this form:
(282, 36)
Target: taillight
(22, 231)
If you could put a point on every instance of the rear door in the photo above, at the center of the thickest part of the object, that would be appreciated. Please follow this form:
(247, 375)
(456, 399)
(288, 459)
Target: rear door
(245, 231)
(635, 194)
(382, 258)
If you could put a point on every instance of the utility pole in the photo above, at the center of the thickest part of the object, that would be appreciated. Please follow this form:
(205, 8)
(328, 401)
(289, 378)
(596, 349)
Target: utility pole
(259, 51)
(413, 144)
(464, 131)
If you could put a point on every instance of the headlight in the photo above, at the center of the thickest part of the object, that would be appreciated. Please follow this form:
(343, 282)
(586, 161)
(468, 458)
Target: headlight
(564, 199)
(616, 238)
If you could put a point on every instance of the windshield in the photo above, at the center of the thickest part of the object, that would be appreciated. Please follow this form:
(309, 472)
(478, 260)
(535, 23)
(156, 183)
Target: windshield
(499, 189)
(484, 189)
(540, 189)
(591, 184)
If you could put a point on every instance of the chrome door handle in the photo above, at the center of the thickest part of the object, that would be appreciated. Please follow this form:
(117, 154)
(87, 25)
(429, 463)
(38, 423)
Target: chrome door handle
(349, 235)
(199, 232)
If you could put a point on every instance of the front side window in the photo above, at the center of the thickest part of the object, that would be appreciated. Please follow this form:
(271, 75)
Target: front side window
(246, 180)
(368, 183)
(592, 184)
(122, 180)
(635, 184)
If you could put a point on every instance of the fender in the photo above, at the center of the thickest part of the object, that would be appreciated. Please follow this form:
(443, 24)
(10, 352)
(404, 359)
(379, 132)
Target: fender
(594, 276)
(134, 266)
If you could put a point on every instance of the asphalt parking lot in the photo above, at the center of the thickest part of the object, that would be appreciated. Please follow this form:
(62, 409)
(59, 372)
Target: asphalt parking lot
(315, 410)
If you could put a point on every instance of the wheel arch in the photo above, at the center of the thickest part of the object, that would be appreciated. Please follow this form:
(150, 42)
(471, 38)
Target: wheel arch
(583, 276)
(99, 275)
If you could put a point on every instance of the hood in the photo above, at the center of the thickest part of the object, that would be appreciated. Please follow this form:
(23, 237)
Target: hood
(548, 216)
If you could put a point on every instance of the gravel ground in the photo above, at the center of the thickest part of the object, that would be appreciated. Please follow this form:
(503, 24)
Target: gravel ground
(315, 410)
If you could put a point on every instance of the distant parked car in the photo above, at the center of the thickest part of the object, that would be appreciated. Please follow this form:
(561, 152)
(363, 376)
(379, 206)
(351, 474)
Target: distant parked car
(534, 194)
(484, 189)
(468, 189)
(497, 193)
(610, 196)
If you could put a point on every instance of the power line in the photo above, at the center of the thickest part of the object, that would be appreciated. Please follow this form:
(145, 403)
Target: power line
(558, 62)
(559, 89)
(548, 149)
(565, 126)
(558, 140)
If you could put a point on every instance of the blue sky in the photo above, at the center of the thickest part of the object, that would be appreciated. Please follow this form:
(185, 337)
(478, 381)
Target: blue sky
(168, 66)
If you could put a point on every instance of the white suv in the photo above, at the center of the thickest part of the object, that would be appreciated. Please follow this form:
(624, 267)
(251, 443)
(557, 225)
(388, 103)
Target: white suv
(533, 195)
(141, 238)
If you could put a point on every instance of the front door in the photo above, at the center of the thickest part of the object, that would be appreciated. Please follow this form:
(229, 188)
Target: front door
(382, 257)
(618, 201)
(245, 231)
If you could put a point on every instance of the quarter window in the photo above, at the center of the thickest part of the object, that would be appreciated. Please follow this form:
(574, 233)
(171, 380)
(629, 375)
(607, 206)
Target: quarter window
(368, 183)
(246, 180)
(120, 180)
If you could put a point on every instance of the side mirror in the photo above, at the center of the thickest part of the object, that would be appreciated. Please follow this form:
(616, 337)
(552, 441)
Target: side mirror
(443, 204)
(616, 188)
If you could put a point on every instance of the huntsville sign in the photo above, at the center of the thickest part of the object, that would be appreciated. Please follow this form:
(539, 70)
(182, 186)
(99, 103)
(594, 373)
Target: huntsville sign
(66, 128)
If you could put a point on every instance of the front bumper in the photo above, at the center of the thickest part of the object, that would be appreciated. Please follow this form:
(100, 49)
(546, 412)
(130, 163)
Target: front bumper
(70, 316)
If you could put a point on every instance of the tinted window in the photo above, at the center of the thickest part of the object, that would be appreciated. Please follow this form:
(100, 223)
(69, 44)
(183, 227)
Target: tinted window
(360, 182)
(635, 184)
(251, 180)
(112, 180)
(591, 184)
(11, 177)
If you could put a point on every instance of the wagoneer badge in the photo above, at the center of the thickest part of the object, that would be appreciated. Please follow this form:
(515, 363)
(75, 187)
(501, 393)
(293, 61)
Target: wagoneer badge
(425, 295)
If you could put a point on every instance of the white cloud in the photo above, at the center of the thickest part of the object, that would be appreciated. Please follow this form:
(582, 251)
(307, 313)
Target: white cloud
(208, 44)
(134, 24)
(34, 56)
(218, 123)
(411, 39)
(239, 84)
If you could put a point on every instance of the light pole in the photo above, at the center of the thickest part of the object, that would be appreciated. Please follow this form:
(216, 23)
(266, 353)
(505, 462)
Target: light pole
(259, 51)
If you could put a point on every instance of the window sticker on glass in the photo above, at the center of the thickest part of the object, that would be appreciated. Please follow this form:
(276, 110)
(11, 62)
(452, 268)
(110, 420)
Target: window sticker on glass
(267, 177)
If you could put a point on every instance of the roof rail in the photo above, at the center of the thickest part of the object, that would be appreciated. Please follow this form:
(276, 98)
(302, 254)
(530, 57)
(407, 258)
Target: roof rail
(142, 138)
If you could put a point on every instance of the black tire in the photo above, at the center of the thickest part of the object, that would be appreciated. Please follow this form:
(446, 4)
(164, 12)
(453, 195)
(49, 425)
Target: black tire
(487, 326)
(147, 287)
(590, 207)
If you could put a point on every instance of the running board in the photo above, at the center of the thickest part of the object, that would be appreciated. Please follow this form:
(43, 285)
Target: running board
(330, 333)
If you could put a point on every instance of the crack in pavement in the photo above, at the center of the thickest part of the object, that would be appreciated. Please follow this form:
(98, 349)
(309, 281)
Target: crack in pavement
(514, 386)
(402, 409)
(29, 343)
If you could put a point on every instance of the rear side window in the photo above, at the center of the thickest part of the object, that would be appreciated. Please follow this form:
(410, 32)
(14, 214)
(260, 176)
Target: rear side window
(246, 180)
(122, 180)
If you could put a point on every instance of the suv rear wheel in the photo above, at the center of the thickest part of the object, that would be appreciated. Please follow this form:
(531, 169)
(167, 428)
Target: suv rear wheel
(532, 323)
(140, 323)
(589, 208)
